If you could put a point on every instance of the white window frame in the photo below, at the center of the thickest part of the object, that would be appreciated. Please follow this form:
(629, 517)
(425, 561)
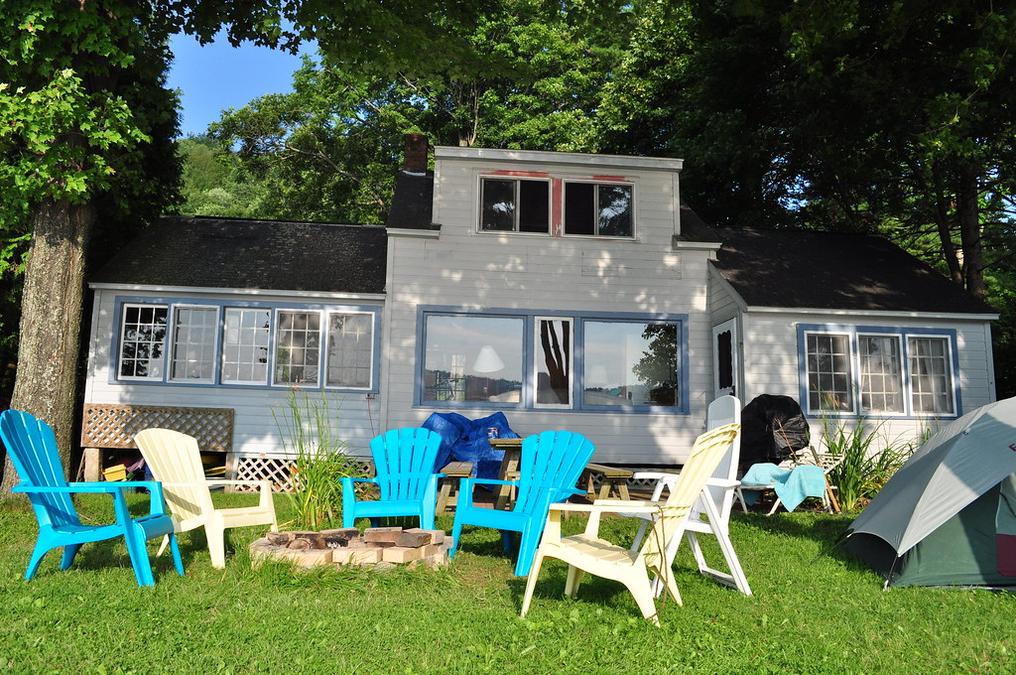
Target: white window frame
(326, 329)
(596, 209)
(515, 180)
(571, 362)
(852, 377)
(270, 365)
(165, 342)
(904, 375)
(275, 346)
(171, 334)
(954, 385)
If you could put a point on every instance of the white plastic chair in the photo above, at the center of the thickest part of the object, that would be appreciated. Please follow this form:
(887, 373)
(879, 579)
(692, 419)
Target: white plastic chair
(175, 461)
(715, 503)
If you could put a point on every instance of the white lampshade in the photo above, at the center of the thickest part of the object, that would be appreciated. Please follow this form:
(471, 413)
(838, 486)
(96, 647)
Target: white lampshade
(487, 361)
(598, 377)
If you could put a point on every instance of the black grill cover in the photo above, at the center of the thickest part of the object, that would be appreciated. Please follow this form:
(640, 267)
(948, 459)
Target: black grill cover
(772, 428)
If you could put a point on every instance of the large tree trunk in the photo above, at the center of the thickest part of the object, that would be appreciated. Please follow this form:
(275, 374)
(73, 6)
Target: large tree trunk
(51, 309)
(943, 224)
(970, 229)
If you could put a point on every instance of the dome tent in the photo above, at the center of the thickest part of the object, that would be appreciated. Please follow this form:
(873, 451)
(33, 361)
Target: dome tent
(948, 516)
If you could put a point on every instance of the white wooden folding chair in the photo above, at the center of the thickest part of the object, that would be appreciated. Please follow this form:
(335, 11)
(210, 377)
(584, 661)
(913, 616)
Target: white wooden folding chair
(714, 503)
(826, 461)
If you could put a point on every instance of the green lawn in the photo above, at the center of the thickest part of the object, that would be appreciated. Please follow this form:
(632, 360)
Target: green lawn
(813, 611)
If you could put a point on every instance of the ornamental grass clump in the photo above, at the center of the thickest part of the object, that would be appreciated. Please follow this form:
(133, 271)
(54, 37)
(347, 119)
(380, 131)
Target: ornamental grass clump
(320, 461)
(869, 461)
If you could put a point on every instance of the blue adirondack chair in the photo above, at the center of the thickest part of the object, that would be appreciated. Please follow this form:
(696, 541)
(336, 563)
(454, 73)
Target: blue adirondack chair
(404, 473)
(31, 445)
(550, 467)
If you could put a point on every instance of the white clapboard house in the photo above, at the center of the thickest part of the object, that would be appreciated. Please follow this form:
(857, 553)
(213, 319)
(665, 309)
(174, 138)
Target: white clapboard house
(567, 290)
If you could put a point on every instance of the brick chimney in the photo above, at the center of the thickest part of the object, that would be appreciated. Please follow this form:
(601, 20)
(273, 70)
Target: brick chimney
(415, 153)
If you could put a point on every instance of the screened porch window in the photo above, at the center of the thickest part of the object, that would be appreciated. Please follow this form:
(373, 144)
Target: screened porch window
(881, 373)
(350, 350)
(509, 205)
(931, 375)
(297, 349)
(473, 358)
(830, 376)
(194, 330)
(142, 342)
(245, 346)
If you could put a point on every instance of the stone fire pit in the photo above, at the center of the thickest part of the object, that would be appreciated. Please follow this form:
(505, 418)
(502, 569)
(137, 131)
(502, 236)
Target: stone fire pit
(378, 547)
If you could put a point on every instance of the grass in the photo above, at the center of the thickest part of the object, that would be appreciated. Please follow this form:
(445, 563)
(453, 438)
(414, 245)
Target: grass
(813, 611)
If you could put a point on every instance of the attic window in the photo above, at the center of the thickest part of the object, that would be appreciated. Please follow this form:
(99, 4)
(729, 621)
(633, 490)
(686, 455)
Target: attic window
(510, 205)
(598, 209)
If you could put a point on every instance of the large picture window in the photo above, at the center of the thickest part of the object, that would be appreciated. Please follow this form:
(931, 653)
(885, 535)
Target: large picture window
(598, 209)
(297, 348)
(473, 358)
(630, 363)
(878, 371)
(194, 331)
(510, 205)
(142, 342)
(245, 346)
(350, 350)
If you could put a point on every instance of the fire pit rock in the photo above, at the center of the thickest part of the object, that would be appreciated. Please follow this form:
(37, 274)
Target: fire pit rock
(380, 547)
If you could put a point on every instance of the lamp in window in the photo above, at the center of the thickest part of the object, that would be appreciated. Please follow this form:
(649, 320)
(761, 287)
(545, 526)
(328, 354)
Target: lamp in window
(488, 361)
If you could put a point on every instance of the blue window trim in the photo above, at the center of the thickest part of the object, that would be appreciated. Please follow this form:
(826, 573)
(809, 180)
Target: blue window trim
(114, 349)
(853, 331)
(528, 317)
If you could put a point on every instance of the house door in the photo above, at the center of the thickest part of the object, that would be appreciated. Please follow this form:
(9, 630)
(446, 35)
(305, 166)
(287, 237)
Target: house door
(725, 369)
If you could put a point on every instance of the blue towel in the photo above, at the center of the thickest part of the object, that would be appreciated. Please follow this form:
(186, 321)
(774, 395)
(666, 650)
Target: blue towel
(792, 486)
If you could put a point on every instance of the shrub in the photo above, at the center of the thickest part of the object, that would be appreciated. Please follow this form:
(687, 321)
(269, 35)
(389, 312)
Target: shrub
(320, 460)
(866, 467)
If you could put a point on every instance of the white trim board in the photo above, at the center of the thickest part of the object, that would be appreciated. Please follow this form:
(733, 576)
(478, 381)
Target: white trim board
(573, 158)
(202, 290)
(871, 312)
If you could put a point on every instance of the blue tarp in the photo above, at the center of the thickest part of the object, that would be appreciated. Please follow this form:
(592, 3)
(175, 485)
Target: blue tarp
(466, 440)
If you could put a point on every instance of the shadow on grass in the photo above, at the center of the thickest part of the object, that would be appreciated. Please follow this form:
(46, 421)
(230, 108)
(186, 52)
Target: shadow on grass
(826, 531)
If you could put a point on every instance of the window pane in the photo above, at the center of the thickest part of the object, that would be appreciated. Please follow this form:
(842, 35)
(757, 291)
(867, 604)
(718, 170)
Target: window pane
(473, 358)
(141, 341)
(193, 343)
(296, 354)
(498, 211)
(350, 341)
(829, 373)
(245, 346)
(630, 363)
(553, 362)
(881, 374)
(930, 375)
(534, 206)
(578, 208)
(615, 210)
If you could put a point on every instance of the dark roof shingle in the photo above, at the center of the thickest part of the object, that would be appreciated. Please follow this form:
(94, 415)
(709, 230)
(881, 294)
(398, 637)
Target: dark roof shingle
(253, 254)
(826, 270)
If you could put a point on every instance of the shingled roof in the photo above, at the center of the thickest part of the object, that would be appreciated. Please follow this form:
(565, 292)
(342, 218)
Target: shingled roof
(253, 254)
(826, 270)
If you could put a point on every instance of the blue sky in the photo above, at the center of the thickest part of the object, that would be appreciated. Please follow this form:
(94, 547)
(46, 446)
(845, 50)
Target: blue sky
(218, 76)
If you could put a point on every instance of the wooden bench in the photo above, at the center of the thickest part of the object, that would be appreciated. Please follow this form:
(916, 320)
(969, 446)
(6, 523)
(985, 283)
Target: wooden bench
(109, 426)
(612, 479)
(449, 493)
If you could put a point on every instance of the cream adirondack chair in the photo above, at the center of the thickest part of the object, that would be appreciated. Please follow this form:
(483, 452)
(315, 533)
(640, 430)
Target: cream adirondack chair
(587, 552)
(715, 503)
(175, 461)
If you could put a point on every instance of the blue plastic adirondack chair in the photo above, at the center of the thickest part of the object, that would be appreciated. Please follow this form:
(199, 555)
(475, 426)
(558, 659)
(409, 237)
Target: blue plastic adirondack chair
(31, 445)
(551, 464)
(404, 473)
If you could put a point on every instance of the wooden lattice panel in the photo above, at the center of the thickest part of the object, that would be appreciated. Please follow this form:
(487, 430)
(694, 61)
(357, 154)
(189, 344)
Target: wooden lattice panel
(278, 470)
(114, 426)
